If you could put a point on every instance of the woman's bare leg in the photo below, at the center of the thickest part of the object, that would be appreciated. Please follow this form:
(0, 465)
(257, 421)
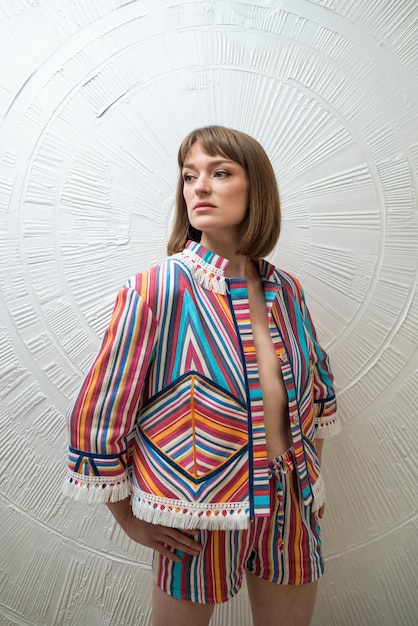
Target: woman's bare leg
(169, 610)
(290, 605)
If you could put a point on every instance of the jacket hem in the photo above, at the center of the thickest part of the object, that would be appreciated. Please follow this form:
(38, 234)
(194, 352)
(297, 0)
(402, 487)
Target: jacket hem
(188, 515)
(318, 490)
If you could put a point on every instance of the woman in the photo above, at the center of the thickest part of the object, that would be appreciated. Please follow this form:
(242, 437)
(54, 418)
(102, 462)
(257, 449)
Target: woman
(201, 420)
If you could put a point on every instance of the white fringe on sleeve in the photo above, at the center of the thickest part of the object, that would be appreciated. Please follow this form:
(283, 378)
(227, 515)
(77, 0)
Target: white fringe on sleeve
(97, 489)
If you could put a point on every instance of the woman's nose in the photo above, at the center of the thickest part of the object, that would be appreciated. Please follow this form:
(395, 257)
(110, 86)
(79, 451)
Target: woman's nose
(202, 185)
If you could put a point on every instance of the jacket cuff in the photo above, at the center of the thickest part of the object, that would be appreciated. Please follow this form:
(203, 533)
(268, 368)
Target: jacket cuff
(327, 426)
(327, 423)
(97, 488)
(96, 477)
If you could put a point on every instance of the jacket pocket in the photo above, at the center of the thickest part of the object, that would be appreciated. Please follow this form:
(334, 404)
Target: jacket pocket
(196, 425)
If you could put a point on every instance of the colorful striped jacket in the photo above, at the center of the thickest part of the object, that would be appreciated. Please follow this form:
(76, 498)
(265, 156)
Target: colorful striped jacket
(171, 409)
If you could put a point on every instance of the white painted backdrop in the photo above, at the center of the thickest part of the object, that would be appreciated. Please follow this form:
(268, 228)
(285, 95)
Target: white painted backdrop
(95, 97)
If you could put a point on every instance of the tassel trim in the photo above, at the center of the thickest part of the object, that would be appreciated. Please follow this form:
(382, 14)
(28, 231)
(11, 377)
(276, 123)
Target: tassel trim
(318, 490)
(207, 276)
(327, 428)
(188, 515)
(97, 489)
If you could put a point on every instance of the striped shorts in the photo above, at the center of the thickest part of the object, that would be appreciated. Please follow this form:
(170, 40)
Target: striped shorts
(284, 548)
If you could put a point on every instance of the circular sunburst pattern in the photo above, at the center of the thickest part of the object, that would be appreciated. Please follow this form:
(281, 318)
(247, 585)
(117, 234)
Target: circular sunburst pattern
(91, 125)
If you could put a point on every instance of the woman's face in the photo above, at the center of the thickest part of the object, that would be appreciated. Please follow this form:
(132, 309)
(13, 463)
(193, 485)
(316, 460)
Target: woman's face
(215, 190)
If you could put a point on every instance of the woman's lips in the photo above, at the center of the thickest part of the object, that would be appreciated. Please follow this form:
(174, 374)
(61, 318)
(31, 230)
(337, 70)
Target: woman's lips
(202, 206)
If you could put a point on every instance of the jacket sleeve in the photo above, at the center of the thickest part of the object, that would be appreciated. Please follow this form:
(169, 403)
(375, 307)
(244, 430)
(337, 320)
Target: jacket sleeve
(104, 411)
(326, 419)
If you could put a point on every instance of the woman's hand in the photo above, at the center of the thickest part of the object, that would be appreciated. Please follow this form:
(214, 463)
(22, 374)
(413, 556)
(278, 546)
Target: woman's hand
(154, 536)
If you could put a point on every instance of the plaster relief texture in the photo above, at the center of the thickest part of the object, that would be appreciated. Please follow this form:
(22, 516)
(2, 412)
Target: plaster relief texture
(95, 98)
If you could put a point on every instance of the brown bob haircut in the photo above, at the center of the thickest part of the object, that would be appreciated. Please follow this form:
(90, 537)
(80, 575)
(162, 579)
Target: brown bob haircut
(263, 213)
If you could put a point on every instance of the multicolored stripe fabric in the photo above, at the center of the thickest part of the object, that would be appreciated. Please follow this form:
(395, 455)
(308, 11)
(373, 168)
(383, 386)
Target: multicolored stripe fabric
(283, 548)
(171, 410)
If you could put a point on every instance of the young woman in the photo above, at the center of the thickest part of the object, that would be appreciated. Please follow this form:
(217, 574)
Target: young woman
(201, 420)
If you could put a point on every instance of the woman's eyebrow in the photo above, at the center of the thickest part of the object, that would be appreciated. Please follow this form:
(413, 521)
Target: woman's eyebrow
(214, 163)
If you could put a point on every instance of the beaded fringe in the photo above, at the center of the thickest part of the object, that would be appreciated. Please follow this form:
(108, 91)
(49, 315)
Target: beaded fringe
(318, 494)
(203, 276)
(178, 514)
(327, 428)
(95, 491)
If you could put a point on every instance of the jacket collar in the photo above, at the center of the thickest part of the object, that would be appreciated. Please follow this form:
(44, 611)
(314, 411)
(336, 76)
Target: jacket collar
(209, 268)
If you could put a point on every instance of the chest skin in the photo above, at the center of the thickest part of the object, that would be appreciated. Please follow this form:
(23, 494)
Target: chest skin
(275, 406)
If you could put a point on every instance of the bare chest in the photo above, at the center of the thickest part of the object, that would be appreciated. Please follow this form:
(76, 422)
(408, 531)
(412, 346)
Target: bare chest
(274, 394)
(268, 364)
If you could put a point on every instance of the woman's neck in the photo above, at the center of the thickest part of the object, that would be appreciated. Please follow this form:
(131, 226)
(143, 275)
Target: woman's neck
(239, 265)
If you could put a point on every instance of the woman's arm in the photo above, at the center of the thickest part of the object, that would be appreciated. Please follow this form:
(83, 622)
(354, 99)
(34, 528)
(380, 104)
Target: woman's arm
(154, 536)
(104, 411)
(319, 444)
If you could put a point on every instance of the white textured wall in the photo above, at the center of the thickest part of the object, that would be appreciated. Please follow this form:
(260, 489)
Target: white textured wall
(95, 97)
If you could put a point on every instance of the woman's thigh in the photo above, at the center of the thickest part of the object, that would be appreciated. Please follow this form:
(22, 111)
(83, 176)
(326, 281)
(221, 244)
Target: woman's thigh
(169, 610)
(280, 604)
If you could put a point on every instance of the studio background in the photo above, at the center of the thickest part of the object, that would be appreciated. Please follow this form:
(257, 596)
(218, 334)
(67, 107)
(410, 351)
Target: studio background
(95, 97)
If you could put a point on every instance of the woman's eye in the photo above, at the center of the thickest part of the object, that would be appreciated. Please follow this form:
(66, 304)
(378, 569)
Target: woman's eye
(221, 174)
(187, 178)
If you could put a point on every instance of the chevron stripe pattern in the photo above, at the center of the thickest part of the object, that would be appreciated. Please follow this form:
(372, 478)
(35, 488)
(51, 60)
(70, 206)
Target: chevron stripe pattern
(172, 407)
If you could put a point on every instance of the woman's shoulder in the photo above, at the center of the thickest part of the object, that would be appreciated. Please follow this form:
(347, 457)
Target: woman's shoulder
(289, 281)
(157, 276)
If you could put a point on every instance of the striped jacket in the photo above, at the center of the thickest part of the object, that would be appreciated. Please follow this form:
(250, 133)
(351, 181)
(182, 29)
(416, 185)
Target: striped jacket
(171, 409)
